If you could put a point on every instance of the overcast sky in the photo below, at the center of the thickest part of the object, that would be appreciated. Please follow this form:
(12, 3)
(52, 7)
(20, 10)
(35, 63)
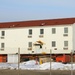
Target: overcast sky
(21, 10)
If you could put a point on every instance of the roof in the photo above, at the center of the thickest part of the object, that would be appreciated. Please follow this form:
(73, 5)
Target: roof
(49, 22)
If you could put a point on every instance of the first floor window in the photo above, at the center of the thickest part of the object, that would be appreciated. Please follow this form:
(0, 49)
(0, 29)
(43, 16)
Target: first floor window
(65, 43)
(53, 44)
(30, 44)
(2, 45)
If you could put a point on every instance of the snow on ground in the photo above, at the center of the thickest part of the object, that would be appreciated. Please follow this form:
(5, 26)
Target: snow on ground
(31, 65)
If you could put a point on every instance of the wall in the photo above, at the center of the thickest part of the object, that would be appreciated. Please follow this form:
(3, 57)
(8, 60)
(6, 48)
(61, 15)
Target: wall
(12, 58)
(73, 26)
(18, 38)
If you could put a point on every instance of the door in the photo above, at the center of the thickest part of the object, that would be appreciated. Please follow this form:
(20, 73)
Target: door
(38, 48)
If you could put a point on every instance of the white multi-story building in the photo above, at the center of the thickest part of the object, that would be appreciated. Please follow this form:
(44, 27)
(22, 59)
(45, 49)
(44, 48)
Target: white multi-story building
(38, 37)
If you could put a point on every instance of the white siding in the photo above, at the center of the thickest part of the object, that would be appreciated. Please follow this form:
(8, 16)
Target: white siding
(12, 58)
(73, 37)
(18, 38)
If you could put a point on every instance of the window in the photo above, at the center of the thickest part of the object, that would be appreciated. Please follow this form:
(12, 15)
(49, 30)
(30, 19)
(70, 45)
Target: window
(65, 43)
(53, 30)
(2, 45)
(30, 44)
(30, 31)
(66, 30)
(41, 31)
(3, 33)
(53, 44)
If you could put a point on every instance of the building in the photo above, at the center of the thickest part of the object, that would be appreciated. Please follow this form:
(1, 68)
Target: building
(37, 37)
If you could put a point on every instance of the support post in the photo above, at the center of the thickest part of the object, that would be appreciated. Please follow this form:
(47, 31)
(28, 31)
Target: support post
(18, 58)
(71, 63)
(50, 60)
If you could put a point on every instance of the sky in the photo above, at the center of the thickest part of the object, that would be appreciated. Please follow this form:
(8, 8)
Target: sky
(23, 10)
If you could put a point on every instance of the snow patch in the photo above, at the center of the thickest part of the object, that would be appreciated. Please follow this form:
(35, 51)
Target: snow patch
(31, 65)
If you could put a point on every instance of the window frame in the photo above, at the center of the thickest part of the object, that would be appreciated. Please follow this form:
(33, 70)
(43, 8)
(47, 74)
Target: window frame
(53, 30)
(65, 43)
(30, 44)
(2, 33)
(53, 43)
(30, 31)
(65, 29)
(2, 45)
(41, 31)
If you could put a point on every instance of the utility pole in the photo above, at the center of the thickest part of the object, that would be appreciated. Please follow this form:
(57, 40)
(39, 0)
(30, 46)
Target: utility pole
(71, 63)
(18, 58)
(50, 61)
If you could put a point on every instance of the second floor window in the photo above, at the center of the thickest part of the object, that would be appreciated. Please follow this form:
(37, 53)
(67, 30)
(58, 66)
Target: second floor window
(30, 31)
(53, 30)
(66, 30)
(3, 33)
(41, 31)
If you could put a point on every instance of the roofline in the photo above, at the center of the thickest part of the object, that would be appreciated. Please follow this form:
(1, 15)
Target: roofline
(38, 20)
(45, 22)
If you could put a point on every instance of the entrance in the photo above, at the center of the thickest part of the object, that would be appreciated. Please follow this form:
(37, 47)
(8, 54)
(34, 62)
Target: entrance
(38, 48)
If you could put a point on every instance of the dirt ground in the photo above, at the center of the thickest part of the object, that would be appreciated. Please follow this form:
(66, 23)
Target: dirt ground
(35, 72)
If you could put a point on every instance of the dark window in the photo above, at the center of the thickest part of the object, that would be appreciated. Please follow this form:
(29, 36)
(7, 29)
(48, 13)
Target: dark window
(65, 43)
(30, 44)
(53, 30)
(30, 31)
(3, 33)
(66, 30)
(2, 45)
(41, 31)
(53, 44)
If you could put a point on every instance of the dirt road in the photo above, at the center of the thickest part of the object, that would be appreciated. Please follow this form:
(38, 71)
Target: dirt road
(34, 72)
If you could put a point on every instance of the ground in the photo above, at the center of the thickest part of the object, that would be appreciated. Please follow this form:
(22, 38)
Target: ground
(35, 72)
